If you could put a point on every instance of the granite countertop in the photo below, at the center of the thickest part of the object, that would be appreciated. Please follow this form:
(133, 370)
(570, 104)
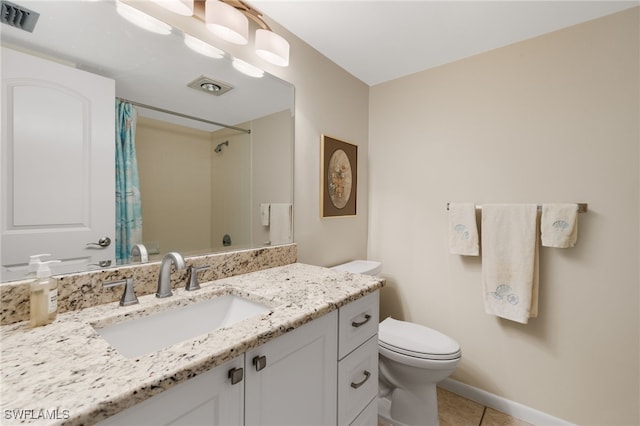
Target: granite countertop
(65, 373)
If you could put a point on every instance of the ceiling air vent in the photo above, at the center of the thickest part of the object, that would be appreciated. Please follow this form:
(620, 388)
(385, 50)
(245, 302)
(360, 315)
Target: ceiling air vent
(210, 86)
(18, 16)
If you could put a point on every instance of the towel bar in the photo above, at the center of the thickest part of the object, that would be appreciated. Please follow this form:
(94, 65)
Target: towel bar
(582, 207)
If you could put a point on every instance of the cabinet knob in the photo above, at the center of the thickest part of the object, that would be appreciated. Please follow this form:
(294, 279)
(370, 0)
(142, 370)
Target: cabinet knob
(236, 375)
(367, 317)
(260, 362)
(363, 381)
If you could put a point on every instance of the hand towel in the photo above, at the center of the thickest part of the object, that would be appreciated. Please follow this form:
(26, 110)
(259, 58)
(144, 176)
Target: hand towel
(264, 214)
(463, 229)
(510, 260)
(559, 225)
(280, 225)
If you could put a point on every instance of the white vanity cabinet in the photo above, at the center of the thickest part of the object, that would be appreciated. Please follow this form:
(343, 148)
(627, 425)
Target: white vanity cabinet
(291, 380)
(322, 373)
(358, 361)
(211, 398)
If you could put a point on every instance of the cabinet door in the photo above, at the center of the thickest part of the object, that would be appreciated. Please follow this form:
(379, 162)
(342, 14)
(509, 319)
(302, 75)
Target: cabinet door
(207, 399)
(296, 382)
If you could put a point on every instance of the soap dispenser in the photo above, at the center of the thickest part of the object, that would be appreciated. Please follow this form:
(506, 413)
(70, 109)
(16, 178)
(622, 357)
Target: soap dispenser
(34, 261)
(44, 296)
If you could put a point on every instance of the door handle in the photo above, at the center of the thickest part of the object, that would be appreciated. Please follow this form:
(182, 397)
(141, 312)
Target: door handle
(102, 242)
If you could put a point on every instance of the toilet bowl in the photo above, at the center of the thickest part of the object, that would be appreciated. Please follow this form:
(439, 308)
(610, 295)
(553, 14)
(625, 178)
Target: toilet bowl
(412, 360)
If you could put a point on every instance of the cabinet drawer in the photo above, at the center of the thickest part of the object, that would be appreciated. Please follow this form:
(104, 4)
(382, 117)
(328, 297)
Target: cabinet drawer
(357, 322)
(357, 380)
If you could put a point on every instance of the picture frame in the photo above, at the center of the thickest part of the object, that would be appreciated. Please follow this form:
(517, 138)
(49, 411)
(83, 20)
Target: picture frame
(339, 178)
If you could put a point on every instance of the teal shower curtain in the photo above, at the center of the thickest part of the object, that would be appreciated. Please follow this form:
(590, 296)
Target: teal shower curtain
(128, 204)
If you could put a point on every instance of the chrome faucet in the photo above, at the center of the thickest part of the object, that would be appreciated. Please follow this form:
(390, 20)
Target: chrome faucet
(164, 277)
(140, 250)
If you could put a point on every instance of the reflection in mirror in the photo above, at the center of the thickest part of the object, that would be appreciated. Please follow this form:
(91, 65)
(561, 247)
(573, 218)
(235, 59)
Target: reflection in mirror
(204, 187)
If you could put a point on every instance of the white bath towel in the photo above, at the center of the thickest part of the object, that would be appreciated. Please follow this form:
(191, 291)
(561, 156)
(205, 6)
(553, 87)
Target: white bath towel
(510, 260)
(463, 229)
(559, 225)
(280, 223)
(264, 213)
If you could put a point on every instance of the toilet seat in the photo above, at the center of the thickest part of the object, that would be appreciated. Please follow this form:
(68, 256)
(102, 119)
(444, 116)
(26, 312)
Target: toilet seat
(416, 341)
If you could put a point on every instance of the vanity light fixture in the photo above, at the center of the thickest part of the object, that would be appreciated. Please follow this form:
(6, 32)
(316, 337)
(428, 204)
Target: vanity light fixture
(246, 68)
(141, 19)
(202, 47)
(226, 22)
(229, 19)
(181, 7)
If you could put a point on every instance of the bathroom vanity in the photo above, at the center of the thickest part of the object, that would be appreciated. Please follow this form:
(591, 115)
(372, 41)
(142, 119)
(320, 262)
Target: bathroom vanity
(311, 358)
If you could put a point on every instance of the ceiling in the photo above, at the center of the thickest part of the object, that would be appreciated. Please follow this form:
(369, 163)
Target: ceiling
(148, 68)
(377, 41)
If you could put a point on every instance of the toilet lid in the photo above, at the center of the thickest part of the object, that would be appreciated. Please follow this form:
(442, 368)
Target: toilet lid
(416, 340)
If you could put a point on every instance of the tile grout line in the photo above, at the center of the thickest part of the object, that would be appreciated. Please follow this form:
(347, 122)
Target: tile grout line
(484, 410)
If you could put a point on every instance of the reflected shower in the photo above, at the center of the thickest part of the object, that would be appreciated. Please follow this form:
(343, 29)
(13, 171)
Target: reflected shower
(218, 149)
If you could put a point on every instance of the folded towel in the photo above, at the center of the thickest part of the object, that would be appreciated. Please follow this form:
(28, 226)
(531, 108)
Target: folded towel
(281, 223)
(264, 214)
(463, 230)
(510, 260)
(559, 225)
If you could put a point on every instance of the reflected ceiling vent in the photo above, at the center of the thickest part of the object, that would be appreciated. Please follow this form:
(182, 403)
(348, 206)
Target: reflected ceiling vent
(210, 86)
(18, 16)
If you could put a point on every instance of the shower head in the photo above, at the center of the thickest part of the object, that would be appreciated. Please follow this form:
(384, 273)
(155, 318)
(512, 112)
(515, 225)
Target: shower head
(218, 148)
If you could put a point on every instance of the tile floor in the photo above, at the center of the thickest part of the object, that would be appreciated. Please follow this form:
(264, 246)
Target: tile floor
(455, 410)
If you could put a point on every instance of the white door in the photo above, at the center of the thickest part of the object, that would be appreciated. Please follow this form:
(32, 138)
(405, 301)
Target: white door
(57, 165)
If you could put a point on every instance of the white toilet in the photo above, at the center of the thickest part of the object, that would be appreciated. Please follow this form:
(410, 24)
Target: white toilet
(412, 360)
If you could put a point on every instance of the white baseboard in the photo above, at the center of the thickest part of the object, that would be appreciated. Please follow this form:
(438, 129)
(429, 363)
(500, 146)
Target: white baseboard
(512, 408)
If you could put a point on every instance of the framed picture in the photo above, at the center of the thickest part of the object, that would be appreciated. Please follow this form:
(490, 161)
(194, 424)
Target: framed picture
(339, 180)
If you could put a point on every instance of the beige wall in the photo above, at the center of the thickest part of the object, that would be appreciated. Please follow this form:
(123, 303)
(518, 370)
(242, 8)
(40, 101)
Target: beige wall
(272, 146)
(171, 159)
(231, 188)
(552, 119)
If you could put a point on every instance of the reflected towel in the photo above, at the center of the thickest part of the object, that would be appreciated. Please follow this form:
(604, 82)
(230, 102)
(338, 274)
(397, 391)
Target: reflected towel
(264, 214)
(280, 223)
(463, 229)
(510, 260)
(559, 225)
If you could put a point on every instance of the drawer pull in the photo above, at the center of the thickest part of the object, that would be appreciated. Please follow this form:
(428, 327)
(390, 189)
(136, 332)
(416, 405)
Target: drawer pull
(367, 317)
(366, 377)
(260, 362)
(236, 375)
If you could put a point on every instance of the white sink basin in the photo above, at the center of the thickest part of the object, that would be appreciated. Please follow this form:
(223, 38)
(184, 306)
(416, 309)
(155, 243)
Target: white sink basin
(149, 334)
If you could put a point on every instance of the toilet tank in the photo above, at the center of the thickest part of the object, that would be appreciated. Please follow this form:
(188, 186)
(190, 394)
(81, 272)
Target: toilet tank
(366, 267)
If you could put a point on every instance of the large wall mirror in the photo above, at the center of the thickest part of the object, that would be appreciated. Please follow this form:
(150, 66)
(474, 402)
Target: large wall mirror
(206, 184)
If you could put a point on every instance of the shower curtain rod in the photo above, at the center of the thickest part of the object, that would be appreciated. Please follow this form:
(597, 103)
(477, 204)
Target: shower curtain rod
(166, 111)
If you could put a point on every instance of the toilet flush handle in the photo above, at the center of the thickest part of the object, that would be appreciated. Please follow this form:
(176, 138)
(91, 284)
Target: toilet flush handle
(355, 324)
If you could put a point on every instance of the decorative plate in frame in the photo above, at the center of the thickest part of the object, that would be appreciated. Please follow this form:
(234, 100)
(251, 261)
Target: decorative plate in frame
(339, 180)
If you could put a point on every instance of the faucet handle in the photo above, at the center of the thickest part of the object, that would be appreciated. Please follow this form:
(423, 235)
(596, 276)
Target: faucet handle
(128, 295)
(193, 283)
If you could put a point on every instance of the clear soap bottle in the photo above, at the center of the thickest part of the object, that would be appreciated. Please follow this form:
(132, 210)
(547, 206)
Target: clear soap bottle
(44, 296)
